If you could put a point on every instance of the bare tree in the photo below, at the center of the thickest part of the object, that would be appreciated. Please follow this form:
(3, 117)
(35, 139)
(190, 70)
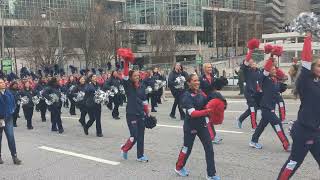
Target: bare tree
(163, 41)
(95, 35)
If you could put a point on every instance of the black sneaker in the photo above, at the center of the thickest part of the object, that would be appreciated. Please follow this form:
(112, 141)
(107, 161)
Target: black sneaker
(172, 116)
(16, 161)
(153, 110)
(1, 161)
(99, 135)
(116, 118)
(44, 120)
(85, 129)
(30, 128)
(61, 131)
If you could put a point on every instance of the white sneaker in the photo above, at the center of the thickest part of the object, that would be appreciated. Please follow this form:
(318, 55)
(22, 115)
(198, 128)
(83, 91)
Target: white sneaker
(255, 145)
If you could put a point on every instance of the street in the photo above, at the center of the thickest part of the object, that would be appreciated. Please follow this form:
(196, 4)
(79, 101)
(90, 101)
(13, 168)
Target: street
(73, 155)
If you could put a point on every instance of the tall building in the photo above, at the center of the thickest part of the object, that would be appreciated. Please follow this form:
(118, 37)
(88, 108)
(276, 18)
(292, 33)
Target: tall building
(219, 25)
(274, 16)
(178, 28)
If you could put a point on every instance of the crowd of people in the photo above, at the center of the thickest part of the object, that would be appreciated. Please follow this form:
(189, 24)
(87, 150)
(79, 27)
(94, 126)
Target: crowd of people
(198, 98)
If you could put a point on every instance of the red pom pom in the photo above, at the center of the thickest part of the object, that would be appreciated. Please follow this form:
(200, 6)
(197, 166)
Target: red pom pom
(268, 48)
(253, 44)
(126, 54)
(217, 107)
(280, 74)
(277, 50)
(269, 64)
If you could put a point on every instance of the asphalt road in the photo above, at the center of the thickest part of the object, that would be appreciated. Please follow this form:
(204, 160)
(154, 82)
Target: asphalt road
(73, 155)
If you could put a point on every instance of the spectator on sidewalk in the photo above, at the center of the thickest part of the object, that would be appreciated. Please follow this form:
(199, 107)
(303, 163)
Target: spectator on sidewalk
(7, 104)
(293, 71)
(241, 80)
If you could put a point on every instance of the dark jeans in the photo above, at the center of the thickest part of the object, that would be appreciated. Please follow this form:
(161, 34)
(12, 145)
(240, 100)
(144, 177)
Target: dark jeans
(28, 113)
(188, 141)
(8, 130)
(117, 99)
(95, 116)
(137, 128)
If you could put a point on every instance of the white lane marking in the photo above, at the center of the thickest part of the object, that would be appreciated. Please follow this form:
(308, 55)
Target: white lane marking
(65, 117)
(180, 127)
(80, 155)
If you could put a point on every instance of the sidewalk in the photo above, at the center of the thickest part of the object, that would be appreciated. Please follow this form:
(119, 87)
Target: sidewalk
(235, 94)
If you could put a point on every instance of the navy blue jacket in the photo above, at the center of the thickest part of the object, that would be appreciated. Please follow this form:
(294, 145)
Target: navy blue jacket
(136, 97)
(112, 81)
(90, 90)
(171, 83)
(197, 101)
(270, 93)
(53, 90)
(7, 105)
(28, 93)
(309, 92)
(150, 81)
(251, 77)
(205, 85)
(73, 93)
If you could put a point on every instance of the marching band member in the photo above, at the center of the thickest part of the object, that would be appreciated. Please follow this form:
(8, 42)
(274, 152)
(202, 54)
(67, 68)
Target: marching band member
(70, 85)
(77, 94)
(306, 130)
(94, 109)
(194, 101)
(14, 88)
(42, 106)
(149, 83)
(136, 110)
(27, 104)
(270, 89)
(252, 86)
(114, 84)
(159, 77)
(176, 83)
(52, 95)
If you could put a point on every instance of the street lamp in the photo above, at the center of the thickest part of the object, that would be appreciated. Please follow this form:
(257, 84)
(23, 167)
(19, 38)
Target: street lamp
(115, 40)
(44, 16)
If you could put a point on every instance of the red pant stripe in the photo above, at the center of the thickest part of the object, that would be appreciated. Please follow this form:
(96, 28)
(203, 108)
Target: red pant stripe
(181, 158)
(285, 174)
(282, 113)
(253, 120)
(211, 130)
(283, 139)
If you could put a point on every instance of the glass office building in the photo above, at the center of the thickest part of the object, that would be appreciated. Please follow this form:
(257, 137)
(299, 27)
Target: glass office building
(164, 12)
(25, 9)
